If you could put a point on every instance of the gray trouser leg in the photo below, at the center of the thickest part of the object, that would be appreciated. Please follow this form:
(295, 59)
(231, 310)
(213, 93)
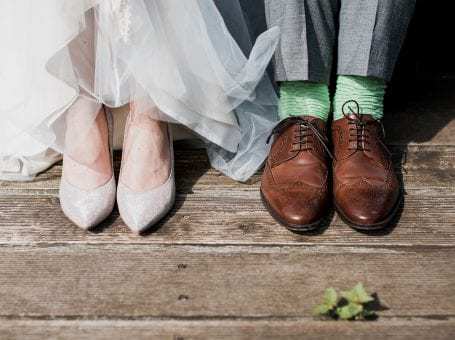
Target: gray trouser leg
(233, 16)
(371, 35)
(308, 38)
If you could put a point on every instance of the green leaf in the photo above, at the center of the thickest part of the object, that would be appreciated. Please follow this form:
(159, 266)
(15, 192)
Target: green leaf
(357, 295)
(322, 310)
(330, 297)
(350, 311)
(329, 302)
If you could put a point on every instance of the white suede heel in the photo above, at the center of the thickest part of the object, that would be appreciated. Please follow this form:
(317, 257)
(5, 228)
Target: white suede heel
(87, 209)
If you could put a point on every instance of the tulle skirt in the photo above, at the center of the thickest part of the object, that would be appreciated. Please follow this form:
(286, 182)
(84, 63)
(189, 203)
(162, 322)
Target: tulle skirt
(176, 60)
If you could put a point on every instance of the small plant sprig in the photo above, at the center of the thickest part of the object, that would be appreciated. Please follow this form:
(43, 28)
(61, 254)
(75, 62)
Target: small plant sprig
(355, 304)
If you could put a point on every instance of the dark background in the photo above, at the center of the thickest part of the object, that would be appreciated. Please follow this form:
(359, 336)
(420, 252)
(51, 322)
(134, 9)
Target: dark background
(428, 55)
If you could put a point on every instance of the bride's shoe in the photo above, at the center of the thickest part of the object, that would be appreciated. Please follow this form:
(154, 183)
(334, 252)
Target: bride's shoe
(141, 209)
(89, 207)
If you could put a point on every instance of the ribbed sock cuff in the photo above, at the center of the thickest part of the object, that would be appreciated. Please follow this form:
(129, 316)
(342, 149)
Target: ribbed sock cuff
(304, 98)
(367, 91)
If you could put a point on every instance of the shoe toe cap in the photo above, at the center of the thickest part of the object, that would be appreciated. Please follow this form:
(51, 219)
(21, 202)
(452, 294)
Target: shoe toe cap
(367, 205)
(296, 207)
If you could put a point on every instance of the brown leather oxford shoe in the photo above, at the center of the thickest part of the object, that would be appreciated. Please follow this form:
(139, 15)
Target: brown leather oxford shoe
(294, 185)
(366, 189)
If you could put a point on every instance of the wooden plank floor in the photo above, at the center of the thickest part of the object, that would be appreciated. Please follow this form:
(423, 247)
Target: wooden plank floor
(220, 267)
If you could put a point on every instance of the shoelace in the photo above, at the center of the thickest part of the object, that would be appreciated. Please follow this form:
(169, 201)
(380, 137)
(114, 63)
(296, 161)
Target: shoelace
(359, 131)
(306, 129)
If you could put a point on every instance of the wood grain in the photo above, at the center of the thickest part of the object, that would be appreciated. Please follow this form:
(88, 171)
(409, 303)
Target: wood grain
(213, 209)
(131, 281)
(220, 267)
(423, 168)
(297, 328)
(202, 219)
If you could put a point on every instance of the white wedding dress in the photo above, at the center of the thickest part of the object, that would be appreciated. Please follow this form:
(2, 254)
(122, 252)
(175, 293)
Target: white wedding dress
(177, 56)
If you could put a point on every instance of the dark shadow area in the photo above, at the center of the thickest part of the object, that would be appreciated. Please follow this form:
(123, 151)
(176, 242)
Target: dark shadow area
(420, 99)
(190, 166)
(322, 227)
(376, 304)
(107, 223)
(373, 307)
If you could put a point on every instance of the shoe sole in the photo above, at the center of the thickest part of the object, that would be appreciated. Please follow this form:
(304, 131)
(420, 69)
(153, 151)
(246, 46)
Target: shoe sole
(371, 227)
(290, 226)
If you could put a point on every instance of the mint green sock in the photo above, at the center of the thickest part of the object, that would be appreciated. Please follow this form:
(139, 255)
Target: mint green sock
(367, 91)
(304, 98)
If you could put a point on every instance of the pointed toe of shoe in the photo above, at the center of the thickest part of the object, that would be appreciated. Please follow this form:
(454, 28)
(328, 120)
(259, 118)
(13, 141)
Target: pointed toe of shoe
(87, 209)
(140, 211)
(83, 218)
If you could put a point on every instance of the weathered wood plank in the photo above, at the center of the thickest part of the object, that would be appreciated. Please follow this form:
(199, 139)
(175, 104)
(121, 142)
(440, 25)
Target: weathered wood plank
(225, 219)
(425, 168)
(30, 213)
(130, 281)
(396, 328)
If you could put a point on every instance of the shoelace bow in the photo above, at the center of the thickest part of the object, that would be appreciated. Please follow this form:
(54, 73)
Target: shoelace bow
(359, 131)
(306, 129)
